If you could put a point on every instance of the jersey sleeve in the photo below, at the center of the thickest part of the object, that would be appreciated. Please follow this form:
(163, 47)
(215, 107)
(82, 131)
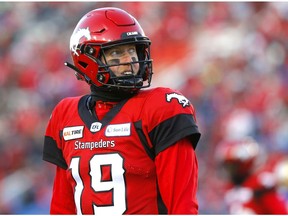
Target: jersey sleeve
(177, 175)
(272, 203)
(63, 197)
(169, 117)
(52, 151)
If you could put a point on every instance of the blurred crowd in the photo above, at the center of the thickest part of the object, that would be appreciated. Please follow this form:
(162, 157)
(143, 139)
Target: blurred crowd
(230, 59)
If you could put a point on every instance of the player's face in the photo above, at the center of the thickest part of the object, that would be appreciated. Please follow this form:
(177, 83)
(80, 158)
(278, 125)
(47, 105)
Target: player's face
(120, 55)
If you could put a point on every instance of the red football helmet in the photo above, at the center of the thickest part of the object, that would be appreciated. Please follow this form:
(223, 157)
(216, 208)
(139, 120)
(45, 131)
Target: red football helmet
(101, 29)
(238, 157)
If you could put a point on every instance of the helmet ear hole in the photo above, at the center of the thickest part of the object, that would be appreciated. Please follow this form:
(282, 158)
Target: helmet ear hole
(83, 64)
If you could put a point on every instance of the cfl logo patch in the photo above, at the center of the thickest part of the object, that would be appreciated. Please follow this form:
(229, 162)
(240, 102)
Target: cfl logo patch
(96, 126)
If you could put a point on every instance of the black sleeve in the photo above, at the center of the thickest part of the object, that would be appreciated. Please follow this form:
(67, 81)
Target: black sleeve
(173, 129)
(52, 153)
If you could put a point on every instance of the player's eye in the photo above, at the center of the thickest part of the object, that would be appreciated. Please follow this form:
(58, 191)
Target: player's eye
(132, 50)
(114, 53)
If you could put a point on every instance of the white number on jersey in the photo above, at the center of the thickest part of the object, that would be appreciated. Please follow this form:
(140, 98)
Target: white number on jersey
(116, 183)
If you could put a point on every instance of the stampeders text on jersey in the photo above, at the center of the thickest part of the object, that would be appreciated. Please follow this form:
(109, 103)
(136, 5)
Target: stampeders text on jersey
(94, 144)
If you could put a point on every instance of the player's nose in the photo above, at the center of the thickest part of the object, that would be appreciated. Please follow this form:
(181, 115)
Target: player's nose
(126, 57)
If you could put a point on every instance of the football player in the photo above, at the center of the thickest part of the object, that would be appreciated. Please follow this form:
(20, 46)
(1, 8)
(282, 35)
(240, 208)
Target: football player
(252, 187)
(120, 149)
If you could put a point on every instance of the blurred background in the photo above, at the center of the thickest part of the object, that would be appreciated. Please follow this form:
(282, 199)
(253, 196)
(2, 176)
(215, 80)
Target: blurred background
(229, 59)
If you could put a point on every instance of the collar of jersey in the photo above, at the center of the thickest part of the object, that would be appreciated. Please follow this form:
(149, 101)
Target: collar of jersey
(89, 118)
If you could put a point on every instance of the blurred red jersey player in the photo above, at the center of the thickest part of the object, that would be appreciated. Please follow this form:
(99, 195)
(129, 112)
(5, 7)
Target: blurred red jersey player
(252, 187)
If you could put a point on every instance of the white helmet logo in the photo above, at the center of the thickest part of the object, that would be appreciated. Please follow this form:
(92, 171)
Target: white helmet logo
(181, 99)
(75, 39)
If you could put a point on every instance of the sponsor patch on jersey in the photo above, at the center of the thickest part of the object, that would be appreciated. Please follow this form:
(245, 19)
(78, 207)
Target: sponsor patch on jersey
(95, 126)
(70, 133)
(180, 98)
(118, 130)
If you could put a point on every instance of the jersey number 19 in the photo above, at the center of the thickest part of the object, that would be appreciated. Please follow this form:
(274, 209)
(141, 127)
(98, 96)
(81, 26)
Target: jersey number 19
(117, 183)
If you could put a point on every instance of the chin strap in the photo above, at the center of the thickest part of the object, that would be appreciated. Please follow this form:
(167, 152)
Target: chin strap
(129, 82)
(110, 94)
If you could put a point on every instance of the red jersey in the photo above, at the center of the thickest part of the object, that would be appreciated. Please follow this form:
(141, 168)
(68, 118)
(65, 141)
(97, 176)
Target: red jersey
(138, 159)
(256, 195)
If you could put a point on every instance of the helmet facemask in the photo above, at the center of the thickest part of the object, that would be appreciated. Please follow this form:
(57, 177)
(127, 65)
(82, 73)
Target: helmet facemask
(130, 82)
(137, 68)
